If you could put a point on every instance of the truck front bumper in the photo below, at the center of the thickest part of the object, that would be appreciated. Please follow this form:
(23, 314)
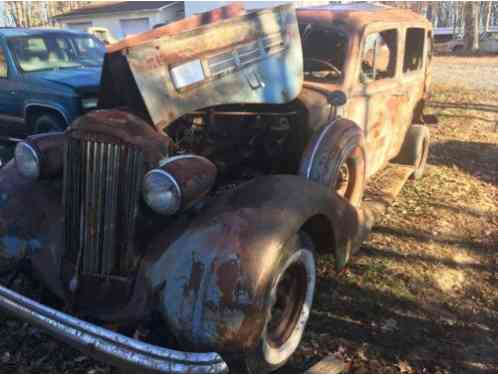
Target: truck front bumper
(106, 345)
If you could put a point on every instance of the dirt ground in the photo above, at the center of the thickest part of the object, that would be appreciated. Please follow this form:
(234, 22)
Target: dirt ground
(422, 295)
(472, 72)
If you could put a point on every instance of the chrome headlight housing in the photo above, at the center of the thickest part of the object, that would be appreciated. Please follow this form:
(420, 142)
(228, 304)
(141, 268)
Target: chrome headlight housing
(161, 192)
(40, 156)
(27, 160)
(89, 103)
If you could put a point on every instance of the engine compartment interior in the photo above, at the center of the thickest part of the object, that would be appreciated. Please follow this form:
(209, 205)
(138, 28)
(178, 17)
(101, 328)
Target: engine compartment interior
(243, 141)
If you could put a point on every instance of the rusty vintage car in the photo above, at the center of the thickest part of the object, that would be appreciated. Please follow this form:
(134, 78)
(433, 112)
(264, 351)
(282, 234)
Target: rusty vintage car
(176, 227)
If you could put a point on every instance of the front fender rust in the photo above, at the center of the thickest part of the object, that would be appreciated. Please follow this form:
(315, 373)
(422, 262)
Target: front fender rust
(213, 276)
(21, 232)
(31, 219)
(214, 283)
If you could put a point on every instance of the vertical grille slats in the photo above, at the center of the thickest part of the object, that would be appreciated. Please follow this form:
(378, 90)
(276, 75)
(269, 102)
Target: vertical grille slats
(101, 190)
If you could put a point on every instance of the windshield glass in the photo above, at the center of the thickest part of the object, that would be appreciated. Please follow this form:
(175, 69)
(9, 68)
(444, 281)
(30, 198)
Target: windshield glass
(47, 52)
(324, 53)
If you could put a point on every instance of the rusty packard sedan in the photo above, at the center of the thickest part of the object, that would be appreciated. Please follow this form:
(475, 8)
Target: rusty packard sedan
(175, 228)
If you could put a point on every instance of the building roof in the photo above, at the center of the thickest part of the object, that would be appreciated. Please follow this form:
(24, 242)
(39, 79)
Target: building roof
(106, 7)
(21, 31)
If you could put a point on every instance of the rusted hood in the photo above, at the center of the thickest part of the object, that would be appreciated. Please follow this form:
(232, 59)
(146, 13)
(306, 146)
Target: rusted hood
(249, 58)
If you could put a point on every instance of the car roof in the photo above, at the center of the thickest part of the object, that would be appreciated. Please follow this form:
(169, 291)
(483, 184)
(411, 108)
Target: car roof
(356, 16)
(21, 31)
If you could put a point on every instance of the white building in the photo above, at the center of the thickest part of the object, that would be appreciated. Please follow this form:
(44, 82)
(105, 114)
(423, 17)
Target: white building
(2, 13)
(195, 7)
(123, 18)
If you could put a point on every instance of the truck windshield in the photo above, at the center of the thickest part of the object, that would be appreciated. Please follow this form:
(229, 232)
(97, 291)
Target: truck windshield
(324, 53)
(47, 52)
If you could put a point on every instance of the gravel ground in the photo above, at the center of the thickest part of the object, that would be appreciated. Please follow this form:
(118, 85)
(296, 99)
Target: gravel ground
(422, 294)
(479, 73)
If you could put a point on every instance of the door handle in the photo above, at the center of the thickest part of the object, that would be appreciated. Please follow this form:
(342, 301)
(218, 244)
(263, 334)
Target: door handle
(12, 92)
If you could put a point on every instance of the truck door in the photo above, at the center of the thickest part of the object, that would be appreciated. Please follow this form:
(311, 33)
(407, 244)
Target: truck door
(11, 119)
(377, 96)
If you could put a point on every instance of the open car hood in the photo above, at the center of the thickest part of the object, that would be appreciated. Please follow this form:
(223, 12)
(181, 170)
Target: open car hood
(222, 57)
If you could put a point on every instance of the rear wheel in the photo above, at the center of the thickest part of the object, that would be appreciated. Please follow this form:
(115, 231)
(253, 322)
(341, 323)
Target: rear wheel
(48, 122)
(415, 150)
(287, 308)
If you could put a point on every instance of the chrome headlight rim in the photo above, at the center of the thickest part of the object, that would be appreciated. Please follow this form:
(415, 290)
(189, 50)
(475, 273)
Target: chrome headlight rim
(171, 210)
(89, 103)
(22, 147)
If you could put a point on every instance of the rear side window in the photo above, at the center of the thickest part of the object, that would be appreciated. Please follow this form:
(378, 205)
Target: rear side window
(379, 56)
(3, 64)
(414, 49)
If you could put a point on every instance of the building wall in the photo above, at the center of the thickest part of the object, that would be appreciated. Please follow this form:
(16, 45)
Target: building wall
(2, 14)
(195, 7)
(113, 21)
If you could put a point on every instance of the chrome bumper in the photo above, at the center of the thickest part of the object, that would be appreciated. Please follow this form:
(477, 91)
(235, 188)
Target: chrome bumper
(106, 345)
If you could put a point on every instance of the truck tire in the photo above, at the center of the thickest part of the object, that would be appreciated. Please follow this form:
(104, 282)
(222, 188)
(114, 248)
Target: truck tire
(336, 158)
(48, 122)
(288, 307)
(415, 150)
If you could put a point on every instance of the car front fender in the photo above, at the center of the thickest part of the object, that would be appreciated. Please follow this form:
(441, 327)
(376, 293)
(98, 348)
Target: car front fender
(31, 222)
(212, 279)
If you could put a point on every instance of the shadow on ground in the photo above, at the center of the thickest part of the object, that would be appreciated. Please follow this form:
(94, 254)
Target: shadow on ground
(479, 159)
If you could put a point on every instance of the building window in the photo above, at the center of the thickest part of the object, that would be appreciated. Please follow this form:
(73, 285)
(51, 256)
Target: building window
(414, 49)
(379, 56)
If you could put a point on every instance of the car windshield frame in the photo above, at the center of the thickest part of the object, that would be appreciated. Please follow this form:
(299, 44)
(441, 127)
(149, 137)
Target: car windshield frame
(346, 39)
(74, 55)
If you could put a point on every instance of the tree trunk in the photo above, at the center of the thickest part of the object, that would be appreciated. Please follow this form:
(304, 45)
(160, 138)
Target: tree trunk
(487, 21)
(471, 31)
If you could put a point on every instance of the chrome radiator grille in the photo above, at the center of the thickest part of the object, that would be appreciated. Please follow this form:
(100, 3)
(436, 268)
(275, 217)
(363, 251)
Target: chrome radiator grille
(101, 191)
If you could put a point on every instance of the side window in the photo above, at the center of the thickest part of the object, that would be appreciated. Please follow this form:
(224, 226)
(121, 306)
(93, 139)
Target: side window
(379, 56)
(414, 49)
(3, 64)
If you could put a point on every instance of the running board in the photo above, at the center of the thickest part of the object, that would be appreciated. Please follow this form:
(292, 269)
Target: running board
(382, 191)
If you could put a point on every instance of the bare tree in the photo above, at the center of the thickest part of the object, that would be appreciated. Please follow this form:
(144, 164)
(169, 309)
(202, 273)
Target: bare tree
(487, 13)
(471, 31)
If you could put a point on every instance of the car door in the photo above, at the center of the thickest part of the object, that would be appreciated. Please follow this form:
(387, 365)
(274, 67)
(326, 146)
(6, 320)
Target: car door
(415, 77)
(377, 97)
(11, 116)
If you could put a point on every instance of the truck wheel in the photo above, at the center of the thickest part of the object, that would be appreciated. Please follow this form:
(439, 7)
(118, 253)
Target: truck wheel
(288, 308)
(336, 159)
(48, 122)
(415, 150)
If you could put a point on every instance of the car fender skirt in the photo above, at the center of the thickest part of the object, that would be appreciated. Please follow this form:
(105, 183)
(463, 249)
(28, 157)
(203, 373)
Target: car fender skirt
(212, 280)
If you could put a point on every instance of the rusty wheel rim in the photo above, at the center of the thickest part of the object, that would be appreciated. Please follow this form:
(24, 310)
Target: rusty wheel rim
(345, 179)
(288, 300)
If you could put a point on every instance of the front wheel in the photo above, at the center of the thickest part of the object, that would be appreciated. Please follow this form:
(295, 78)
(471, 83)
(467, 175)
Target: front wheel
(288, 308)
(335, 157)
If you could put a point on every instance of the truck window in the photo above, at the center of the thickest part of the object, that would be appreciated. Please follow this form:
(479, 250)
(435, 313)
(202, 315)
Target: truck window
(414, 49)
(3, 64)
(379, 56)
(324, 53)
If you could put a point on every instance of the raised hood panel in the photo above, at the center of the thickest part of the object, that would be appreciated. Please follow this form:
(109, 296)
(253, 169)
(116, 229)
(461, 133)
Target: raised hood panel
(252, 58)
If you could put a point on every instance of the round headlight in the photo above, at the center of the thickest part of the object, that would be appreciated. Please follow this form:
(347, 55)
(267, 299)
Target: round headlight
(161, 192)
(27, 160)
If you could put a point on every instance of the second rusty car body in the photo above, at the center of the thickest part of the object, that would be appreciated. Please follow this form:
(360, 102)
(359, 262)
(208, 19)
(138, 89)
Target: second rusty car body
(228, 150)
